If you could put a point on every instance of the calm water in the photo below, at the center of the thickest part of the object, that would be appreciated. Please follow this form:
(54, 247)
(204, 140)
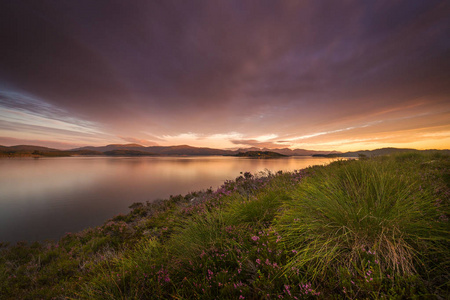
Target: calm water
(47, 197)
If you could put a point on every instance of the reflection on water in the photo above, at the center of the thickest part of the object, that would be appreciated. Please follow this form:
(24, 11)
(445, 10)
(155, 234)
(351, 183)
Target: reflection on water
(47, 197)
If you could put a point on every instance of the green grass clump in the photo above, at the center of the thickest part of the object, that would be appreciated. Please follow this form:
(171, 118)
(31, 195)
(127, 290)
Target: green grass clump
(377, 209)
(128, 274)
(263, 205)
(198, 233)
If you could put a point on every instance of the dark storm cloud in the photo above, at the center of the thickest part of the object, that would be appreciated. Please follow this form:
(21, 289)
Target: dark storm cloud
(40, 57)
(167, 67)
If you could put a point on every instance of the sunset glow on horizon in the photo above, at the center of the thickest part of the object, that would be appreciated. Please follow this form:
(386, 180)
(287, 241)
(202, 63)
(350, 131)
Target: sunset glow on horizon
(317, 75)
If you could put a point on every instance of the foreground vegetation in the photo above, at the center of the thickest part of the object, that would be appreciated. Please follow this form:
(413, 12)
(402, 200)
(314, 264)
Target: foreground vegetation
(373, 228)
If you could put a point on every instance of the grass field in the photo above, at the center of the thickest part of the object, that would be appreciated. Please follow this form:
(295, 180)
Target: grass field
(373, 228)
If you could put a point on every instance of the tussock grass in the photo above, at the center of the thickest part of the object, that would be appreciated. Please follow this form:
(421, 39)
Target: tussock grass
(126, 275)
(262, 206)
(376, 206)
(201, 232)
(259, 209)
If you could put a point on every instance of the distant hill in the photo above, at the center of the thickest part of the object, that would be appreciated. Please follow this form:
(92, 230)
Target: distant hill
(289, 152)
(37, 151)
(29, 148)
(112, 147)
(378, 152)
(260, 154)
(127, 153)
(126, 145)
(180, 150)
(185, 150)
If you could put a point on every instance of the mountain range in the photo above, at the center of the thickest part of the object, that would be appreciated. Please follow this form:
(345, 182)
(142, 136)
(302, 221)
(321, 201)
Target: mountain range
(183, 150)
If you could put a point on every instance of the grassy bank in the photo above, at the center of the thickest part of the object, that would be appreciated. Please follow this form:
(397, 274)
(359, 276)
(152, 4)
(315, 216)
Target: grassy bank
(374, 228)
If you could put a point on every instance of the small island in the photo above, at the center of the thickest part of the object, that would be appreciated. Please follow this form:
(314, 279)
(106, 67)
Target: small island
(260, 154)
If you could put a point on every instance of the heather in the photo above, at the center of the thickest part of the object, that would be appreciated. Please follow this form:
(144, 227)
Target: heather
(372, 228)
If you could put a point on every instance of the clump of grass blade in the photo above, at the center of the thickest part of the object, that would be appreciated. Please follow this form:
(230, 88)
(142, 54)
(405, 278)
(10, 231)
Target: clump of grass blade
(345, 210)
(260, 208)
(198, 233)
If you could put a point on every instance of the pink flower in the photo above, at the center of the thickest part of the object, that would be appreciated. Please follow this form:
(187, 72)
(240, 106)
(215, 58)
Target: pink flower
(255, 238)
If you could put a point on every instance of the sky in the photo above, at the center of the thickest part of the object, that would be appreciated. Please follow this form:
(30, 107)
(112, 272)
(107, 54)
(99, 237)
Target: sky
(319, 75)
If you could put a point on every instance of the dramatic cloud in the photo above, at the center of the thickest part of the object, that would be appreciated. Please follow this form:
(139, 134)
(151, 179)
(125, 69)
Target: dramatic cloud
(298, 73)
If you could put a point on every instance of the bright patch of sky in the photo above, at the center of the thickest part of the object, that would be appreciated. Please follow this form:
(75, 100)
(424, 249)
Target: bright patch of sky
(264, 138)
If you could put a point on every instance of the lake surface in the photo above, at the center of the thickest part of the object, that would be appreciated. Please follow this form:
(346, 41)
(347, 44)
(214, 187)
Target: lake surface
(45, 198)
